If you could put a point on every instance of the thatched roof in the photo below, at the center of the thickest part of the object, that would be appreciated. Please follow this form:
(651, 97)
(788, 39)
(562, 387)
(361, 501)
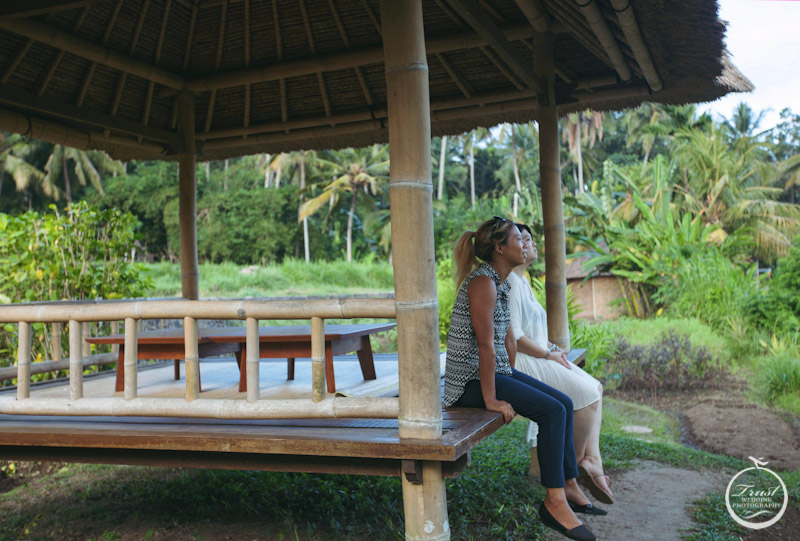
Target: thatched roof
(277, 75)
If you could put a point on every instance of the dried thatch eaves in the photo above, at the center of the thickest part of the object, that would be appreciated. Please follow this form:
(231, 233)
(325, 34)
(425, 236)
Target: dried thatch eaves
(277, 75)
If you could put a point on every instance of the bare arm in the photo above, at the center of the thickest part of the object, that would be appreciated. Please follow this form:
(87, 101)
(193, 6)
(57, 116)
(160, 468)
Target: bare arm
(482, 298)
(511, 348)
(525, 345)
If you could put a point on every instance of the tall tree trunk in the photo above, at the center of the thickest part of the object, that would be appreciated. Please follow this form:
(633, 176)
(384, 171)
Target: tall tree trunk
(306, 251)
(442, 157)
(578, 151)
(267, 171)
(516, 171)
(278, 172)
(208, 172)
(65, 171)
(225, 177)
(2, 176)
(646, 156)
(472, 169)
(350, 227)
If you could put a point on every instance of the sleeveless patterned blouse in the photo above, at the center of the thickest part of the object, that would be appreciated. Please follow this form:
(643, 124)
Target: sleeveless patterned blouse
(462, 345)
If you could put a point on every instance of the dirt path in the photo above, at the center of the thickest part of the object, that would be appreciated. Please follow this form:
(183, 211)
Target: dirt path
(652, 502)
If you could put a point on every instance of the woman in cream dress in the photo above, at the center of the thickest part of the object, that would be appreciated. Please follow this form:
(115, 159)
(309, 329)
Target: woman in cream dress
(546, 362)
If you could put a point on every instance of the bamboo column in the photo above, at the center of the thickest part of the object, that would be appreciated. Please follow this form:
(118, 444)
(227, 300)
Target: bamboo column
(131, 356)
(411, 189)
(318, 359)
(115, 330)
(192, 358)
(552, 210)
(55, 339)
(75, 361)
(86, 331)
(252, 364)
(23, 360)
(187, 199)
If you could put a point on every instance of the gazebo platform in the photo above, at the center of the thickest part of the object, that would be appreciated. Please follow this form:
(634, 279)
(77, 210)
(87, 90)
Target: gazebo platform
(353, 446)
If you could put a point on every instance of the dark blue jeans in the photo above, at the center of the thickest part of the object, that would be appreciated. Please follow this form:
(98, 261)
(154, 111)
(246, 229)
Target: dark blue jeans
(552, 411)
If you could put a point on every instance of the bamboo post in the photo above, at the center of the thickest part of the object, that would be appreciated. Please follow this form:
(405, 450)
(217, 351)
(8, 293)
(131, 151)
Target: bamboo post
(187, 199)
(552, 211)
(75, 361)
(115, 330)
(86, 331)
(411, 189)
(55, 341)
(318, 359)
(192, 358)
(252, 361)
(131, 356)
(23, 360)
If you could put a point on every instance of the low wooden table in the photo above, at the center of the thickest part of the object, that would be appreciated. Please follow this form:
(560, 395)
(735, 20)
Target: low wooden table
(275, 342)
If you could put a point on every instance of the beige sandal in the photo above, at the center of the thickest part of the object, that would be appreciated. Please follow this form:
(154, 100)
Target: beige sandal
(597, 491)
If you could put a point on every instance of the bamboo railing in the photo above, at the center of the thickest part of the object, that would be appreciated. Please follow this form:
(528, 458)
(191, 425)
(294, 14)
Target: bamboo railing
(79, 314)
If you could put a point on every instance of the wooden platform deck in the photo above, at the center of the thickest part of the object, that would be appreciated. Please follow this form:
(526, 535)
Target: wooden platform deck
(353, 446)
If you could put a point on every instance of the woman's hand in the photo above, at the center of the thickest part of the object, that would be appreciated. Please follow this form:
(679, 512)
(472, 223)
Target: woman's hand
(501, 406)
(560, 357)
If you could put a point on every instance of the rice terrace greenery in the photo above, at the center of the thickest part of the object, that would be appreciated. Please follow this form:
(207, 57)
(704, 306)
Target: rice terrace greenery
(698, 218)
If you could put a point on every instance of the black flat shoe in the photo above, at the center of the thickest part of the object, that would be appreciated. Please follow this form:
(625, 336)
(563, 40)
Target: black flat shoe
(578, 533)
(587, 509)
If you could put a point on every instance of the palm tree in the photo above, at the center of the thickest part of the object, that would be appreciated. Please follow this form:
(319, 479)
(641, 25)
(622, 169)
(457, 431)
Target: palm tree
(16, 156)
(586, 125)
(358, 169)
(731, 186)
(86, 167)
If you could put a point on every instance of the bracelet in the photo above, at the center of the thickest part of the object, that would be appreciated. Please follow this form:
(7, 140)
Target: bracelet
(553, 348)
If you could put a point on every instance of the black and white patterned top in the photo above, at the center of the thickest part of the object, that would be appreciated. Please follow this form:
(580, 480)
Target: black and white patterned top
(462, 346)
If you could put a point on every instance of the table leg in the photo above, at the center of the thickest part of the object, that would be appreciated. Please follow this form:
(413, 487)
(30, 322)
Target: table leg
(177, 368)
(241, 360)
(120, 385)
(329, 368)
(290, 368)
(365, 359)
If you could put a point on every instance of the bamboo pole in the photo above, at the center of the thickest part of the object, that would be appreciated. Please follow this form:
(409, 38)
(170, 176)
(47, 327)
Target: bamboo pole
(552, 211)
(318, 359)
(339, 308)
(61, 134)
(55, 339)
(192, 358)
(115, 330)
(23, 360)
(627, 21)
(348, 59)
(599, 25)
(131, 356)
(334, 407)
(411, 189)
(190, 276)
(252, 362)
(86, 331)
(75, 361)
(59, 39)
(11, 372)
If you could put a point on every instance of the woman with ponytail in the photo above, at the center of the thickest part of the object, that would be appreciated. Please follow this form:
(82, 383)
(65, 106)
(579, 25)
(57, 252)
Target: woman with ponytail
(480, 368)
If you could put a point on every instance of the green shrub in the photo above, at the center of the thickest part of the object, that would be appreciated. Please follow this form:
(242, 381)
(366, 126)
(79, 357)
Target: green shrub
(669, 363)
(598, 340)
(446, 291)
(81, 254)
(781, 375)
(646, 332)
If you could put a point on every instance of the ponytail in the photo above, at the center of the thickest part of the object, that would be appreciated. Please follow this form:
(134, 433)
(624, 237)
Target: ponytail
(464, 257)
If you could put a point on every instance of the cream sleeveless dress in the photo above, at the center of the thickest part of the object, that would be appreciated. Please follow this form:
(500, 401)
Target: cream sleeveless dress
(528, 318)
